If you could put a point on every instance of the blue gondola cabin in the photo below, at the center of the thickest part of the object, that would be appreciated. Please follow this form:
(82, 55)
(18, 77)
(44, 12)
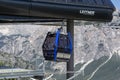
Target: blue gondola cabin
(57, 47)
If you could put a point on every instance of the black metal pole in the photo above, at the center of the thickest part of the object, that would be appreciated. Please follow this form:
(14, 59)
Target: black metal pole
(70, 64)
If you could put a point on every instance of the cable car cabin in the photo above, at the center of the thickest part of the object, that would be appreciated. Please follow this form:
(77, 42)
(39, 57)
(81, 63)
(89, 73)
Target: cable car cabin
(28, 10)
(57, 47)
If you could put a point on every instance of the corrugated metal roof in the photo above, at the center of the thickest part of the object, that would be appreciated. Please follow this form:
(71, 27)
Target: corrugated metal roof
(100, 3)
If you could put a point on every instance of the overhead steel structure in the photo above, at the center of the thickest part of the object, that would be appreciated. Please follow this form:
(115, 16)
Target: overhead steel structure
(34, 10)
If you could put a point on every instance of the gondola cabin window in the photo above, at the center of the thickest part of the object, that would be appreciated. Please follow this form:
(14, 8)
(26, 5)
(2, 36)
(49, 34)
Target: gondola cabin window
(63, 55)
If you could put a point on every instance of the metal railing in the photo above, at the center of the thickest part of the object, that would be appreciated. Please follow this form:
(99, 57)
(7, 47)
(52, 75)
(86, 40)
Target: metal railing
(11, 72)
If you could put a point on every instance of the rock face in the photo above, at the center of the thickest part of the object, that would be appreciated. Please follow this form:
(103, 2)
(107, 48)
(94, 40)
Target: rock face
(96, 51)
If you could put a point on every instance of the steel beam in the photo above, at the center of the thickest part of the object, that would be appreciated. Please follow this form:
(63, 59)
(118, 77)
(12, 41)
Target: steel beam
(70, 64)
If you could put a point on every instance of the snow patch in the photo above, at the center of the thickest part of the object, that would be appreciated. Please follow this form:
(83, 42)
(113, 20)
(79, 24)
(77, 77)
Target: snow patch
(4, 31)
(117, 51)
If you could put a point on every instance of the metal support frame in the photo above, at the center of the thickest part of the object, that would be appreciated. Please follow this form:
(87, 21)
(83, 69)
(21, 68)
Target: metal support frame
(70, 64)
